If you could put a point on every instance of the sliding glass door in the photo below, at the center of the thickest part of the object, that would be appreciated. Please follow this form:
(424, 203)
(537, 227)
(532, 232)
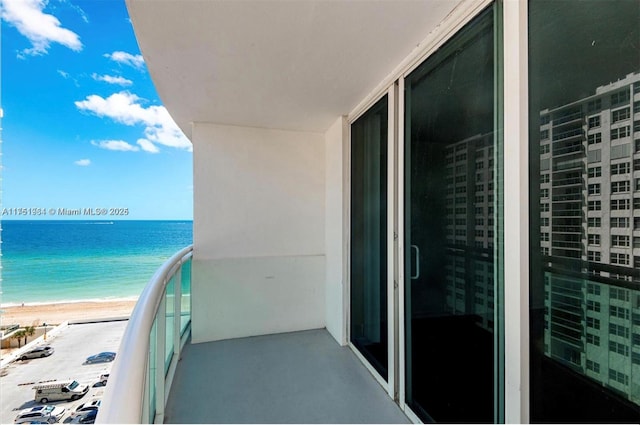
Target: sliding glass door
(368, 265)
(453, 239)
(583, 252)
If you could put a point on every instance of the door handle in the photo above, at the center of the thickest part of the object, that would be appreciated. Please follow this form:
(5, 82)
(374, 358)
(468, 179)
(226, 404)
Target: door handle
(417, 261)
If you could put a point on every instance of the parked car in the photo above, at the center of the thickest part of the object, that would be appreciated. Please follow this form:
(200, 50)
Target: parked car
(91, 405)
(59, 390)
(44, 413)
(37, 352)
(106, 356)
(88, 418)
(103, 378)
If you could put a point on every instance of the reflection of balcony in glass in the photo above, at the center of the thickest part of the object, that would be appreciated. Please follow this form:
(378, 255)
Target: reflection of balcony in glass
(470, 227)
(590, 234)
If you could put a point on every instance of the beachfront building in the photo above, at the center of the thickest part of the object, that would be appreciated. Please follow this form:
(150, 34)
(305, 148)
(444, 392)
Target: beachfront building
(395, 209)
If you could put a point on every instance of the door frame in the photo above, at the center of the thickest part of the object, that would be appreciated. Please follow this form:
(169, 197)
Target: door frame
(455, 22)
(390, 384)
(514, 45)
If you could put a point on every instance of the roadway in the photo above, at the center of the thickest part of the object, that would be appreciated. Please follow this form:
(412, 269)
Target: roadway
(72, 346)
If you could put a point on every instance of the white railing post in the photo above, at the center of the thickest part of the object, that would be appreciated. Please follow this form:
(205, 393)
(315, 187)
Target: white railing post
(145, 400)
(161, 358)
(177, 314)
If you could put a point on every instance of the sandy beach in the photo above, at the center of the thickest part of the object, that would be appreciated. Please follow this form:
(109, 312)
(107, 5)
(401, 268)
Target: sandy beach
(59, 312)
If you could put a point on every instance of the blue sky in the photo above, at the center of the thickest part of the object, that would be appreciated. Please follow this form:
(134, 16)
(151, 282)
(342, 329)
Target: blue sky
(83, 126)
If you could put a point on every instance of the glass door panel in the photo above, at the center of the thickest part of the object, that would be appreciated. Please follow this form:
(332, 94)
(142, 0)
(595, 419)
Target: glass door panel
(368, 275)
(584, 144)
(453, 230)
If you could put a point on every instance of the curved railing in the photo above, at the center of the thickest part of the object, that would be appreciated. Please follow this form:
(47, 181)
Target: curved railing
(158, 328)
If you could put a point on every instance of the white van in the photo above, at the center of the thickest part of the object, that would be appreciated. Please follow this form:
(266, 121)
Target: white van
(59, 390)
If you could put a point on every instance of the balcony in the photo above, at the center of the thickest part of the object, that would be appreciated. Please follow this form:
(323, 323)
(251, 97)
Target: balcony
(567, 182)
(568, 210)
(571, 117)
(567, 197)
(566, 244)
(567, 229)
(568, 134)
(575, 164)
(561, 148)
(295, 377)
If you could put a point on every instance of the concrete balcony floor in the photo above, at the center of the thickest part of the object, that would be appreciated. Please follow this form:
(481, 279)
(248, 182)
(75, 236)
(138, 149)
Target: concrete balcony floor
(298, 377)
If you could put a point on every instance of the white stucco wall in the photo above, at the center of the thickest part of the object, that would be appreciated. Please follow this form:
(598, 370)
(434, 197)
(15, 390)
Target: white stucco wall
(336, 139)
(258, 192)
(259, 231)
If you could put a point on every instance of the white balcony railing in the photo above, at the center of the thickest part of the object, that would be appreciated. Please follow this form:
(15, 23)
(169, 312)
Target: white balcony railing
(158, 328)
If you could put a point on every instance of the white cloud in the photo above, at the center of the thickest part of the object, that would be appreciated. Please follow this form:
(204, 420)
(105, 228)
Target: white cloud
(83, 162)
(115, 145)
(77, 8)
(126, 108)
(112, 79)
(68, 76)
(148, 146)
(125, 58)
(40, 28)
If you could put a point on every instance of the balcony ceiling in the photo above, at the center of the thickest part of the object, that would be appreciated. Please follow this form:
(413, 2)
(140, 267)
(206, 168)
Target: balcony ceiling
(293, 65)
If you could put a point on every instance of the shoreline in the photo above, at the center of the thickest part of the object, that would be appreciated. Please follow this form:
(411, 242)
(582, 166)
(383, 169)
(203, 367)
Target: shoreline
(4, 306)
(54, 313)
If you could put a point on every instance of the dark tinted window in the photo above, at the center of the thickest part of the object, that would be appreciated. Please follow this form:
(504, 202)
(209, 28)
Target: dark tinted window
(584, 60)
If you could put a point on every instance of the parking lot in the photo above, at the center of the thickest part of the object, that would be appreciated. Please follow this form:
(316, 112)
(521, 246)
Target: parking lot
(72, 346)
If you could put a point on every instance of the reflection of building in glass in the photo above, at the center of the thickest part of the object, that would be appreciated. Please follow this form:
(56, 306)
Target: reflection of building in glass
(590, 221)
(470, 227)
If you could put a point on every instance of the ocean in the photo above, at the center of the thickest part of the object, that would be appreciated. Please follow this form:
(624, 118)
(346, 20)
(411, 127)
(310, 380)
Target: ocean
(60, 261)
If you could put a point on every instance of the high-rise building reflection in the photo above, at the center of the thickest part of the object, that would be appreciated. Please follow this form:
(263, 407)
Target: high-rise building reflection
(470, 231)
(590, 234)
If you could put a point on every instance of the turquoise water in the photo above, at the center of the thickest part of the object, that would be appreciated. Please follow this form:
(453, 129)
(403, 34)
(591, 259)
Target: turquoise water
(57, 261)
